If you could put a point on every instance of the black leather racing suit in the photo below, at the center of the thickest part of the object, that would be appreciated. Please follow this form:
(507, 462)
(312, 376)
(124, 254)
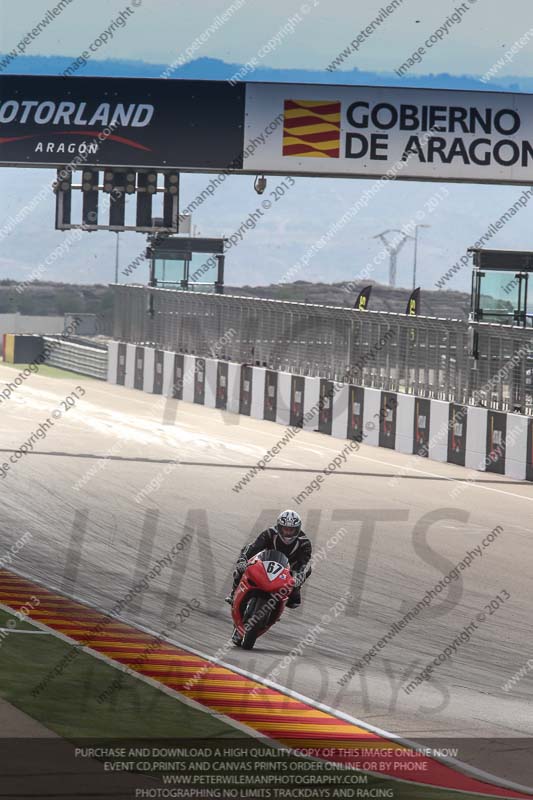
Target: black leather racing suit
(298, 553)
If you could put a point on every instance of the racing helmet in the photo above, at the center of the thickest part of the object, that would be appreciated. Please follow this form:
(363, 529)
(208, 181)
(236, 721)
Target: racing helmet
(288, 526)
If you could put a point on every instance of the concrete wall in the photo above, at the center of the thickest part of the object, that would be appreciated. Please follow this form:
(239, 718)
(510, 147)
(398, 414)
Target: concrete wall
(20, 323)
(477, 438)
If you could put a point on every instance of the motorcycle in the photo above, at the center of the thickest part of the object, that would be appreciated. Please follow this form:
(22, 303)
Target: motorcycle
(260, 597)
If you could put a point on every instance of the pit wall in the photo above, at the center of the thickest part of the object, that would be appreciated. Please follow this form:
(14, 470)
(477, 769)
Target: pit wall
(476, 438)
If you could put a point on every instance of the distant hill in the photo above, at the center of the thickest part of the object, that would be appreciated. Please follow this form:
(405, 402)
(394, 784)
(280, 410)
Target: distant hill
(54, 298)
(60, 298)
(451, 305)
(216, 69)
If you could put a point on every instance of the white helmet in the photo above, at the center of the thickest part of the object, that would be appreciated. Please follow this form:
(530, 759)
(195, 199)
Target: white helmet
(288, 526)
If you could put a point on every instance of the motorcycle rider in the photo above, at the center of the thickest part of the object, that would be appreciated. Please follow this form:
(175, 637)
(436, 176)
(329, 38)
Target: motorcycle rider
(287, 537)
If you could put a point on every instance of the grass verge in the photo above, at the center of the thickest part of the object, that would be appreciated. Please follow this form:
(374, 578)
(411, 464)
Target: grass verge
(69, 707)
(47, 371)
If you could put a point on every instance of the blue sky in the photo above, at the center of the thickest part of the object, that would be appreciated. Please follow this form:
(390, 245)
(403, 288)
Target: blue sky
(160, 32)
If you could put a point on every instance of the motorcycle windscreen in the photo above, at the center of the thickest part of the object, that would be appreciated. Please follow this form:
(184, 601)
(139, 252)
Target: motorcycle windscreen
(273, 555)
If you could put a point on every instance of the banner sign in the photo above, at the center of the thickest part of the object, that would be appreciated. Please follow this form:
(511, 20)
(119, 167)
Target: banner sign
(387, 420)
(529, 451)
(356, 404)
(369, 132)
(297, 401)
(121, 364)
(262, 128)
(178, 377)
(199, 380)
(325, 406)
(271, 395)
(159, 364)
(421, 427)
(457, 427)
(245, 392)
(138, 375)
(130, 122)
(496, 435)
(222, 385)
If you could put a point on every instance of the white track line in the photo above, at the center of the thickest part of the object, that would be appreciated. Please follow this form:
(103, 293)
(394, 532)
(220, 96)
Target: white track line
(14, 630)
(472, 483)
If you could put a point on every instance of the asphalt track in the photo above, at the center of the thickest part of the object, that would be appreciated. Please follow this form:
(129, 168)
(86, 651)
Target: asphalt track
(76, 495)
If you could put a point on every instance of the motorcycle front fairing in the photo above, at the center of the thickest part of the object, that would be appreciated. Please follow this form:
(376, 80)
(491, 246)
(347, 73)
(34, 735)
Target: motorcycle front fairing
(266, 573)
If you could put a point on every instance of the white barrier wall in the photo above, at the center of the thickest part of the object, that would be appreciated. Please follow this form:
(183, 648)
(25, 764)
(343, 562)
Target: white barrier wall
(234, 387)
(112, 362)
(476, 437)
(211, 369)
(258, 393)
(475, 449)
(339, 413)
(405, 423)
(130, 366)
(516, 446)
(149, 366)
(189, 372)
(311, 398)
(283, 412)
(168, 373)
(371, 415)
(438, 430)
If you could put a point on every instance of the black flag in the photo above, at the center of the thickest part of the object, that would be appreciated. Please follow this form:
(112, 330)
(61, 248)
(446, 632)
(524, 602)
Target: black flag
(413, 304)
(361, 304)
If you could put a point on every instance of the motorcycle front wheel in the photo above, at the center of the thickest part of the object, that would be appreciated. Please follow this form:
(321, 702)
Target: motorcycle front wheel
(236, 638)
(257, 610)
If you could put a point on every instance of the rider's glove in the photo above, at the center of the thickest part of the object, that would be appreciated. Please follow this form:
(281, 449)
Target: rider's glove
(298, 579)
(240, 566)
(300, 576)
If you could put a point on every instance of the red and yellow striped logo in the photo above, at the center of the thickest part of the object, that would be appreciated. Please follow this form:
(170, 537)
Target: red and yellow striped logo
(312, 128)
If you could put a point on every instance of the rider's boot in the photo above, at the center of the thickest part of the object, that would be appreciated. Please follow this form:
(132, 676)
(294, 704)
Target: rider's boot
(295, 599)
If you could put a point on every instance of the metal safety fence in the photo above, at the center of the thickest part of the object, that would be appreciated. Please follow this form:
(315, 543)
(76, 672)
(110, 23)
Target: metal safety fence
(86, 359)
(452, 360)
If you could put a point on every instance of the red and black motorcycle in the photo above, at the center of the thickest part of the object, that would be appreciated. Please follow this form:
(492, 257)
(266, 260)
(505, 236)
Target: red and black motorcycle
(261, 596)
